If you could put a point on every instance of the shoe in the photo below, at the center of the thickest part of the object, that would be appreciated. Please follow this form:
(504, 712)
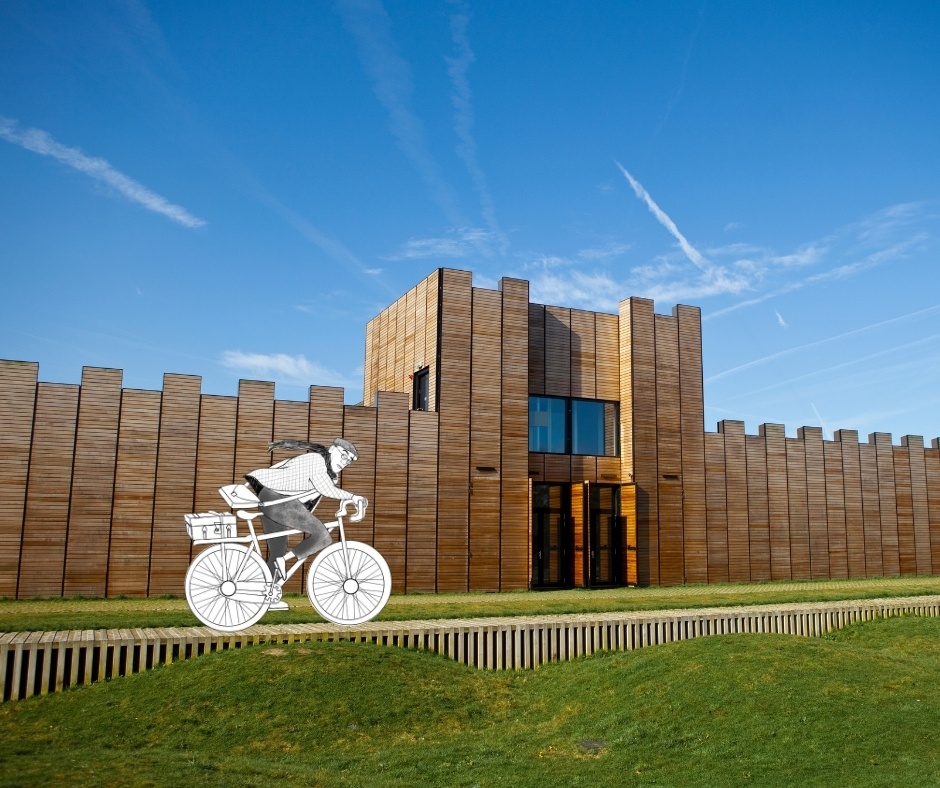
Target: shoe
(281, 567)
(280, 605)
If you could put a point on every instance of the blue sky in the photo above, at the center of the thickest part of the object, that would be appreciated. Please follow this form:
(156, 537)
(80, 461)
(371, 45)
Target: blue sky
(233, 189)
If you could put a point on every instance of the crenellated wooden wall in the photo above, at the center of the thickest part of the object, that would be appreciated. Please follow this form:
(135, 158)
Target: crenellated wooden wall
(726, 506)
(96, 479)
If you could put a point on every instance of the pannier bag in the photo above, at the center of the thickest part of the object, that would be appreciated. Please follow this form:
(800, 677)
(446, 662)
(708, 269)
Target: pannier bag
(211, 525)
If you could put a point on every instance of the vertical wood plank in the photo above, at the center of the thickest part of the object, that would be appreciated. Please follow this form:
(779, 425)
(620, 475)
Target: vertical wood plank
(775, 450)
(536, 351)
(905, 508)
(816, 502)
(668, 451)
(421, 554)
(89, 531)
(888, 503)
(18, 380)
(515, 510)
(175, 491)
(557, 351)
(800, 565)
(391, 482)
(583, 354)
(454, 458)
(692, 416)
(871, 509)
(758, 518)
(932, 467)
(215, 453)
(135, 477)
(359, 427)
(854, 520)
(739, 551)
(638, 428)
(49, 488)
(835, 511)
(716, 502)
(917, 458)
(485, 439)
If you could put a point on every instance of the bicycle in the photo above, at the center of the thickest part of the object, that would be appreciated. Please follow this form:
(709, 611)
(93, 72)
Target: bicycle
(229, 586)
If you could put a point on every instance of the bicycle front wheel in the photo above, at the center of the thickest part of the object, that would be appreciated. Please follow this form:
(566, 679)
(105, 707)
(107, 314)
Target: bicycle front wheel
(349, 597)
(227, 587)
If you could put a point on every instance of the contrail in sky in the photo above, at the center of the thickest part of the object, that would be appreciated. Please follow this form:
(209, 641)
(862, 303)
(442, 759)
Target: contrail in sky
(690, 251)
(40, 142)
(818, 342)
(457, 68)
(369, 24)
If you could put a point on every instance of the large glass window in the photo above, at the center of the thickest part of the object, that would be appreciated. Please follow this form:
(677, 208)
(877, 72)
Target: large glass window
(547, 424)
(593, 427)
(559, 425)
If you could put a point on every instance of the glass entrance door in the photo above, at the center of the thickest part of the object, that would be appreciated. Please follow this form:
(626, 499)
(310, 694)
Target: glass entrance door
(606, 539)
(551, 537)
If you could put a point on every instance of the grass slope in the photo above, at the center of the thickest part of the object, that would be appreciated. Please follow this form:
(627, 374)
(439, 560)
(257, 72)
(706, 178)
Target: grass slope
(60, 614)
(860, 707)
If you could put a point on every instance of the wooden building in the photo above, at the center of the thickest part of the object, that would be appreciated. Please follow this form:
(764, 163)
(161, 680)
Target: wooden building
(503, 445)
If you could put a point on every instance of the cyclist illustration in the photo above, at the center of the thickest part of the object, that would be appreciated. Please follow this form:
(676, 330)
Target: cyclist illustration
(229, 586)
(310, 476)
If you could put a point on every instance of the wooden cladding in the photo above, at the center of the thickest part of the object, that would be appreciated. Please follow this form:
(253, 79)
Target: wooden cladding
(725, 506)
(98, 478)
(805, 508)
(572, 353)
(403, 339)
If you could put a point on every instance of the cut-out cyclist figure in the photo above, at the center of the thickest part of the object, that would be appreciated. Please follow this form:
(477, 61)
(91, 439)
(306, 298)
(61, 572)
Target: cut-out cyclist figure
(315, 472)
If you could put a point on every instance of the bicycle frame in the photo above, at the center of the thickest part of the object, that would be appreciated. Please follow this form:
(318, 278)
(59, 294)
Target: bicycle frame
(255, 540)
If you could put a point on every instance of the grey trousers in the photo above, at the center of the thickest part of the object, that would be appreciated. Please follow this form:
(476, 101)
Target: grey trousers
(292, 514)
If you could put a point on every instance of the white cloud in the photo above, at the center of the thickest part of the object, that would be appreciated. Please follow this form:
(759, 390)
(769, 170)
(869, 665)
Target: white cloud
(42, 143)
(457, 244)
(606, 252)
(282, 367)
(780, 321)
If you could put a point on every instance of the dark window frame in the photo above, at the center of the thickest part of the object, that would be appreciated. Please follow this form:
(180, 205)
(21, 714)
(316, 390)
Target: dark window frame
(569, 425)
(421, 389)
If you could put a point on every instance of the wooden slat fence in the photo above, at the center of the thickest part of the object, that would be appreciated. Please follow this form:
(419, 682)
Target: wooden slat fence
(37, 663)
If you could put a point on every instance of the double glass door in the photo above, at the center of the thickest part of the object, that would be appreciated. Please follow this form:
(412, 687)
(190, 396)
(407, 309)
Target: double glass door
(593, 522)
(551, 536)
(606, 541)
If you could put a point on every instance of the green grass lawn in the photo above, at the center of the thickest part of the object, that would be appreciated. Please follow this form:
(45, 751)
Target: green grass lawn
(856, 708)
(56, 614)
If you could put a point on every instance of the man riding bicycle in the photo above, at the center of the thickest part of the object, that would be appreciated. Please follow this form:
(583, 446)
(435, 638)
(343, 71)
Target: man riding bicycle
(315, 473)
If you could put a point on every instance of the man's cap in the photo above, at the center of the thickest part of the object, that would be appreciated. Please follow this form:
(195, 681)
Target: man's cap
(342, 443)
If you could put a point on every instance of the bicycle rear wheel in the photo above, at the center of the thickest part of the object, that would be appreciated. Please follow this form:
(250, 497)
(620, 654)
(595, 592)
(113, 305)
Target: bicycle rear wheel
(227, 587)
(352, 597)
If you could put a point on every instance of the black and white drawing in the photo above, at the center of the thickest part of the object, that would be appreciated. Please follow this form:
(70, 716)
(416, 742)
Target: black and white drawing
(229, 586)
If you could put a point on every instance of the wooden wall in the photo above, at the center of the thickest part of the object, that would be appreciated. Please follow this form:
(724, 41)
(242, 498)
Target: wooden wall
(402, 339)
(726, 506)
(573, 353)
(97, 478)
(468, 504)
(806, 508)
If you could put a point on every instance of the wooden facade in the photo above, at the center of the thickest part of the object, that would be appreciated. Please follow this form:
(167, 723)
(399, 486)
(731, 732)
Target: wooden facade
(95, 478)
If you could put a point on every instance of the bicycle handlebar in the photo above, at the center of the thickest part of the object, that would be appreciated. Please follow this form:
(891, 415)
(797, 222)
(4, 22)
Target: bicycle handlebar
(360, 502)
